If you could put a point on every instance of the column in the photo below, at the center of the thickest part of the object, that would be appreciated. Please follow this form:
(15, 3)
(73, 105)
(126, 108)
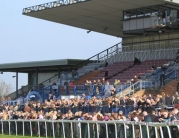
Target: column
(37, 77)
(16, 84)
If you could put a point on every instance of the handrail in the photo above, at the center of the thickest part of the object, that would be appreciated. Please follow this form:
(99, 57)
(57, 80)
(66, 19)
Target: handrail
(75, 128)
(81, 63)
(97, 121)
(133, 85)
(49, 79)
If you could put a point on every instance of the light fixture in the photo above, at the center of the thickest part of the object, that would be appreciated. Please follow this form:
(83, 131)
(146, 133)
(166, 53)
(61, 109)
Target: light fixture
(41, 7)
(13, 76)
(56, 4)
(1, 72)
(88, 31)
(27, 10)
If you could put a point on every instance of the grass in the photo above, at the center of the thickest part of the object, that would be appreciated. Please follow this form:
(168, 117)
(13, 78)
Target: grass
(20, 136)
(13, 136)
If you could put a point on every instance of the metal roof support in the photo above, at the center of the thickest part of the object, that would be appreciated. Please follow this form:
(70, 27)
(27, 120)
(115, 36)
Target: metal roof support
(17, 79)
(37, 78)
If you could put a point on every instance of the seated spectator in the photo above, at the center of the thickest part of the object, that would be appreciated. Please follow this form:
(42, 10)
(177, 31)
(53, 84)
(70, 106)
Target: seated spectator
(71, 83)
(74, 74)
(154, 67)
(113, 91)
(115, 83)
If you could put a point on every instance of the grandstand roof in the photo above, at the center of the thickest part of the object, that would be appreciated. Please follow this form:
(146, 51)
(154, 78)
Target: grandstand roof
(103, 16)
(42, 66)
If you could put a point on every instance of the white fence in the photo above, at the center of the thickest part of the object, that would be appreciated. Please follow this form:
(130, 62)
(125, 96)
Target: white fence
(89, 129)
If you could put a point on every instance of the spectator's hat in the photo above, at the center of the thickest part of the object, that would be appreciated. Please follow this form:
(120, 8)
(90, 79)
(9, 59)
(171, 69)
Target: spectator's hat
(120, 112)
(106, 118)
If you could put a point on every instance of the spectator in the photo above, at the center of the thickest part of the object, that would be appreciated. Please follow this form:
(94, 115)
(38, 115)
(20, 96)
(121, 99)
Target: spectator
(106, 75)
(162, 80)
(106, 64)
(136, 61)
(154, 67)
(54, 87)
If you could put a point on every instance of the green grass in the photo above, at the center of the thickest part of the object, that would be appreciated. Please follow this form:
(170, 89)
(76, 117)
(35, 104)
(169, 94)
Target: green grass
(12, 136)
(18, 136)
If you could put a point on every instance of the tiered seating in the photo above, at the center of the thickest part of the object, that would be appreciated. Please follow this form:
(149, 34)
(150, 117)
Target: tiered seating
(114, 69)
(88, 68)
(138, 70)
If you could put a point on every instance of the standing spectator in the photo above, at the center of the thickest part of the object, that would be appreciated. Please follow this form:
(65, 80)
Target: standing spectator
(162, 80)
(54, 87)
(106, 75)
(136, 61)
(27, 108)
(98, 86)
(106, 64)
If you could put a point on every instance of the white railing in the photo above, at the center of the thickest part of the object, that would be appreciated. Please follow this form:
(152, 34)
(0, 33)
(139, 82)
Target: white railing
(89, 129)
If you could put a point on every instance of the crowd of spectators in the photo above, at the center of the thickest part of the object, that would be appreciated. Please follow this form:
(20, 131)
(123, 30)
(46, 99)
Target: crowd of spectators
(80, 106)
(147, 108)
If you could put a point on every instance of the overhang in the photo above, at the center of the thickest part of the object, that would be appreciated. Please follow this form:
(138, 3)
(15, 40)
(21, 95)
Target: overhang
(103, 16)
(42, 66)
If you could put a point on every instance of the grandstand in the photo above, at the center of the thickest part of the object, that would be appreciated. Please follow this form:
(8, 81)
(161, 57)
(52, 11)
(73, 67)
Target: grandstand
(144, 35)
(72, 106)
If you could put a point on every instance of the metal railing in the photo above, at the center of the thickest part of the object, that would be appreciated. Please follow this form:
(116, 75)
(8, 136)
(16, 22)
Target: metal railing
(156, 83)
(50, 5)
(102, 56)
(89, 129)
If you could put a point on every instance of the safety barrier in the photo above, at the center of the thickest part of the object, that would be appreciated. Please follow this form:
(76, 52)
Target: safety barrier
(89, 129)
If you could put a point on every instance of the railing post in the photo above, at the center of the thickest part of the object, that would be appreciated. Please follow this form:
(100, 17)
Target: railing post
(63, 129)
(16, 127)
(53, 129)
(30, 128)
(98, 58)
(107, 136)
(97, 130)
(140, 85)
(46, 129)
(107, 52)
(38, 129)
(88, 130)
(23, 127)
(116, 136)
(58, 90)
(2, 127)
(71, 126)
(9, 127)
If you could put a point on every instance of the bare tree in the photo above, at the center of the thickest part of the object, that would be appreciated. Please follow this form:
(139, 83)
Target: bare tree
(5, 89)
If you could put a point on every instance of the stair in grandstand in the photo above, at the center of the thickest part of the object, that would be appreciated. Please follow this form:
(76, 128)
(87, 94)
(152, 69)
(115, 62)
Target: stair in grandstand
(97, 61)
(169, 89)
(88, 68)
(153, 83)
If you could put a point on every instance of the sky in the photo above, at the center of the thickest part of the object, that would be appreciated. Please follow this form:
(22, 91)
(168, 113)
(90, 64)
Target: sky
(26, 39)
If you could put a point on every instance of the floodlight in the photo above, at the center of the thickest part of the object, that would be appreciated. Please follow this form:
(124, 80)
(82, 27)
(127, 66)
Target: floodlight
(56, 4)
(27, 11)
(41, 7)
